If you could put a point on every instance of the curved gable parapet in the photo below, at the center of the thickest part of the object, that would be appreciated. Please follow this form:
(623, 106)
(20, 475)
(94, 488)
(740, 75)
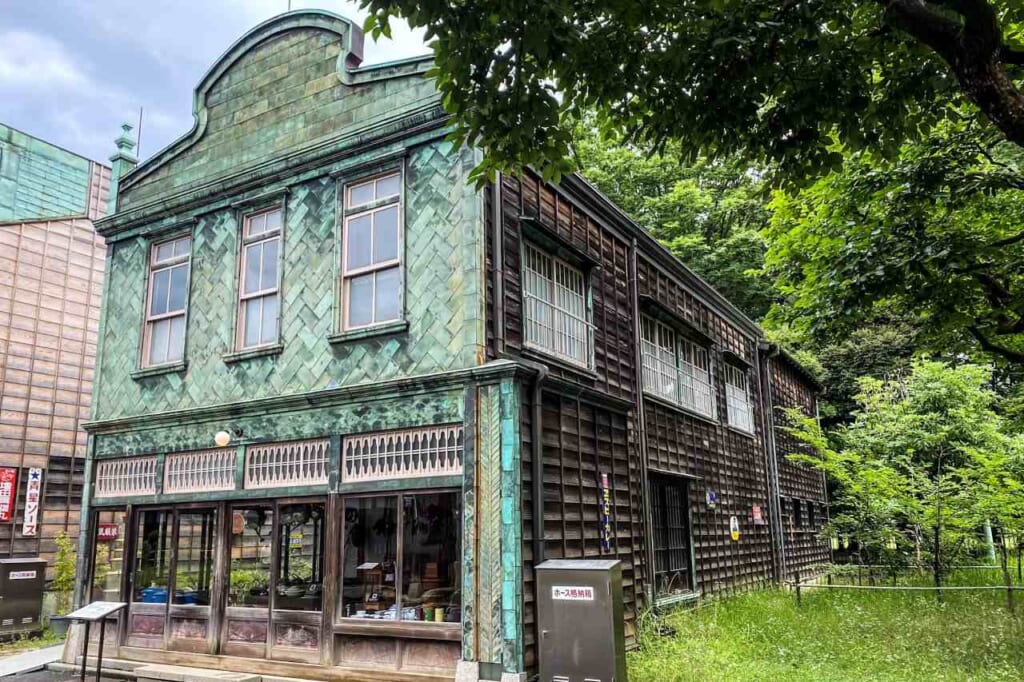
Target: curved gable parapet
(290, 81)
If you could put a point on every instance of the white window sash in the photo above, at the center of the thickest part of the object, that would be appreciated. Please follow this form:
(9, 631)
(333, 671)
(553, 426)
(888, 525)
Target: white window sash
(556, 309)
(737, 395)
(244, 299)
(156, 267)
(676, 369)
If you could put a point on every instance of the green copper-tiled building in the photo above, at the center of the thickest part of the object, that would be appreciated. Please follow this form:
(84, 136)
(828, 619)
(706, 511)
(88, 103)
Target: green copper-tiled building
(346, 401)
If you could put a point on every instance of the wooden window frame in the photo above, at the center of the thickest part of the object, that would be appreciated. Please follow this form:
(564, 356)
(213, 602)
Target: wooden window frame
(585, 294)
(247, 240)
(351, 212)
(733, 411)
(149, 320)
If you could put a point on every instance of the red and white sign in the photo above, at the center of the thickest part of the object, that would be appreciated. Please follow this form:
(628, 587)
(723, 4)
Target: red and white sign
(584, 593)
(108, 532)
(8, 492)
(755, 511)
(22, 575)
(32, 493)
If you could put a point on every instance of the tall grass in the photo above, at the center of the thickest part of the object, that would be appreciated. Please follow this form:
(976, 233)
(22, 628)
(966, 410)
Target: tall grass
(838, 636)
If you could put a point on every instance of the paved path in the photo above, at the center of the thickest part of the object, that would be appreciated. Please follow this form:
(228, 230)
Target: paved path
(27, 661)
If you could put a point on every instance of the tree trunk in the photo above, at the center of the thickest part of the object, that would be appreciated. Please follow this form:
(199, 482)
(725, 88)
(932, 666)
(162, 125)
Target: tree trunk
(1004, 565)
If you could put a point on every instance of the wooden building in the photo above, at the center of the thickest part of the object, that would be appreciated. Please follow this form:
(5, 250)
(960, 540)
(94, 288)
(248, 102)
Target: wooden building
(347, 402)
(51, 278)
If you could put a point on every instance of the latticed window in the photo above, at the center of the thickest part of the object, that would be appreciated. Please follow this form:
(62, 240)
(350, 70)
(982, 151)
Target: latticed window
(126, 476)
(408, 453)
(737, 399)
(259, 301)
(371, 253)
(676, 369)
(277, 465)
(556, 314)
(671, 529)
(200, 471)
(166, 302)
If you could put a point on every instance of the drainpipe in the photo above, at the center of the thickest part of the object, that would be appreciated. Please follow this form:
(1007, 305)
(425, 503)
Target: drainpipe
(121, 163)
(769, 351)
(498, 254)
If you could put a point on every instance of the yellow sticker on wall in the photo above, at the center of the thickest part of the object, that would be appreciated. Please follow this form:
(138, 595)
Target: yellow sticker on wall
(734, 528)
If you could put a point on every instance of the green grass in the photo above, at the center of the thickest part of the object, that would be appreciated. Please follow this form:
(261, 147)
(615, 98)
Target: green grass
(26, 643)
(837, 636)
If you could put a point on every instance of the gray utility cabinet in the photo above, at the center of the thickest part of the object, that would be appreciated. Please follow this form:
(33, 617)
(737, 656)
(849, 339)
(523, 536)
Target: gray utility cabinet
(579, 621)
(22, 582)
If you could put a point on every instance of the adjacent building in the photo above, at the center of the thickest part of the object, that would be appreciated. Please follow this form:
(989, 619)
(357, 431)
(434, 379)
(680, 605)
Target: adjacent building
(51, 278)
(346, 402)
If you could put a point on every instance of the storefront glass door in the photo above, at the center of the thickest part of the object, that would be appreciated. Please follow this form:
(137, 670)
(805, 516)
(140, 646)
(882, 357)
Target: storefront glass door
(298, 585)
(150, 578)
(247, 613)
(192, 581)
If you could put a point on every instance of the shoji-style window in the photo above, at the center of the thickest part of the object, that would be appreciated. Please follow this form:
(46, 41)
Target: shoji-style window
(737, 399)
(556, 310)
(259, 298)
(676, 368)
(167, 302)
(371, 258)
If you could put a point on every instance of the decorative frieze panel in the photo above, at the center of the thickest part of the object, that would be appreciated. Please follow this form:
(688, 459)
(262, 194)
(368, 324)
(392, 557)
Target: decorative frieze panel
(409, 453)
(277, 465)
(200, 471)
(125, 477)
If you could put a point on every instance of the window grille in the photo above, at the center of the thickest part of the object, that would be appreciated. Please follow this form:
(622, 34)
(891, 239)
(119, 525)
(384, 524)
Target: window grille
(676, 369)
(167, 302)
(671, 531)
(259, 303)
(282, 464)
(737, 399)
(410, 453)
(125, 477)
(199, 471)
(556, 315)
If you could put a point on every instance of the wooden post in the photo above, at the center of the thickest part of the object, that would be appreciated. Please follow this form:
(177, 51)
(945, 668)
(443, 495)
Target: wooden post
(1020, 578)
(859, 579)
(829, 577)
(798, 589)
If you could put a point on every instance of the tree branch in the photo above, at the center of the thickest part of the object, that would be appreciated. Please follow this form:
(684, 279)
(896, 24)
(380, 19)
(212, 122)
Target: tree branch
(986, 344)
(1009, 55)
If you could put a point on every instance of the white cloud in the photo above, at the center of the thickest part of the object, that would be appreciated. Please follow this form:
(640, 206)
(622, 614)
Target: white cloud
(36, 62)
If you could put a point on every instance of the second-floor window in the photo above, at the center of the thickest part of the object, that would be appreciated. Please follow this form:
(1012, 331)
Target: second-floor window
(556, 311)
(259, 301)
(676, 368)
(737, 399)
(166, 302)
(371, 253)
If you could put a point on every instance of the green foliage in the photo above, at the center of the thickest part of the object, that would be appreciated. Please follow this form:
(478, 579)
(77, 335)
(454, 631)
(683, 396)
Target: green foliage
(838, 637)
(775, 81)
(924, 463)
(64, 572)
(930, 240)
(709, 214)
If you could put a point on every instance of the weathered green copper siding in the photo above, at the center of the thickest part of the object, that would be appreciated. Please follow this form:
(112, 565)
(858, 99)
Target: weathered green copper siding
(442, 300)
(39, 180)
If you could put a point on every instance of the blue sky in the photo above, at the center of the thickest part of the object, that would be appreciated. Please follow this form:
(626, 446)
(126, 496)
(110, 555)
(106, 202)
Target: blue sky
(71, 71)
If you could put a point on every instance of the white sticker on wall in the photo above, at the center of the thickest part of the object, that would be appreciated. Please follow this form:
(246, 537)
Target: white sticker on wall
(21, 575)
(585, 593)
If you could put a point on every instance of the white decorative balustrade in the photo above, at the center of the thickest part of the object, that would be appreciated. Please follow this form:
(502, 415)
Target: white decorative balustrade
(276, 465)
(200, 471)
(409, 453)
(126, 476)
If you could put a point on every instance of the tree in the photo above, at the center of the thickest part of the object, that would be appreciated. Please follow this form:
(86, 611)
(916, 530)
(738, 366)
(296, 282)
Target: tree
(933, 237)
(709, 214)
(774, 79)
(923, 464)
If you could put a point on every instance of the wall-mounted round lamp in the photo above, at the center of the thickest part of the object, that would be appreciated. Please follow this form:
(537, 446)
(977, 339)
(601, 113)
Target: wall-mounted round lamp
(222, 438)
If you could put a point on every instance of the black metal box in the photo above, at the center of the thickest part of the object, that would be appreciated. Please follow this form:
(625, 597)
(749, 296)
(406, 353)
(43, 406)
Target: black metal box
(22, 582)
(579, 620)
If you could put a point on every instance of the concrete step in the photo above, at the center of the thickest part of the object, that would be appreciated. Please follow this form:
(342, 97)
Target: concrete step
(90, 672)
(177, 673)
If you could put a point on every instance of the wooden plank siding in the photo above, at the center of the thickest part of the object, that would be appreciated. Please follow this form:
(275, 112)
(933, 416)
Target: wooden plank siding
(803, 546)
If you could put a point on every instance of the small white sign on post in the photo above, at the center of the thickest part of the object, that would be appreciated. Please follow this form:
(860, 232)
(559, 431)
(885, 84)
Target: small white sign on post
(563, 593)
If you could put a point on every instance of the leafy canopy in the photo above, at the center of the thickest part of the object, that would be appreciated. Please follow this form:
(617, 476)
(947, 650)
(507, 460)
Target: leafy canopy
(775, 80)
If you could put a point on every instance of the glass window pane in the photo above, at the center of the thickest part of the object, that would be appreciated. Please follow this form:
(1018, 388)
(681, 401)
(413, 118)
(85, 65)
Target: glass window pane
(269, 277)
(357, 247)
(176, 338)
(274, 220)
(193, 576)
(152, 563)
(368, 567)
(360, 300)
(158, 338)
(249, 578)
(161, 284)
(164, 251)
(268, 324)
(360, 194)
(386, 299)
(431, 554)
(385, 235)
(182, 246)
(252, 268)
(109, 548)
(388, 187)
(179, 288)
(300, 558)
(253, 314)
(257, 224)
